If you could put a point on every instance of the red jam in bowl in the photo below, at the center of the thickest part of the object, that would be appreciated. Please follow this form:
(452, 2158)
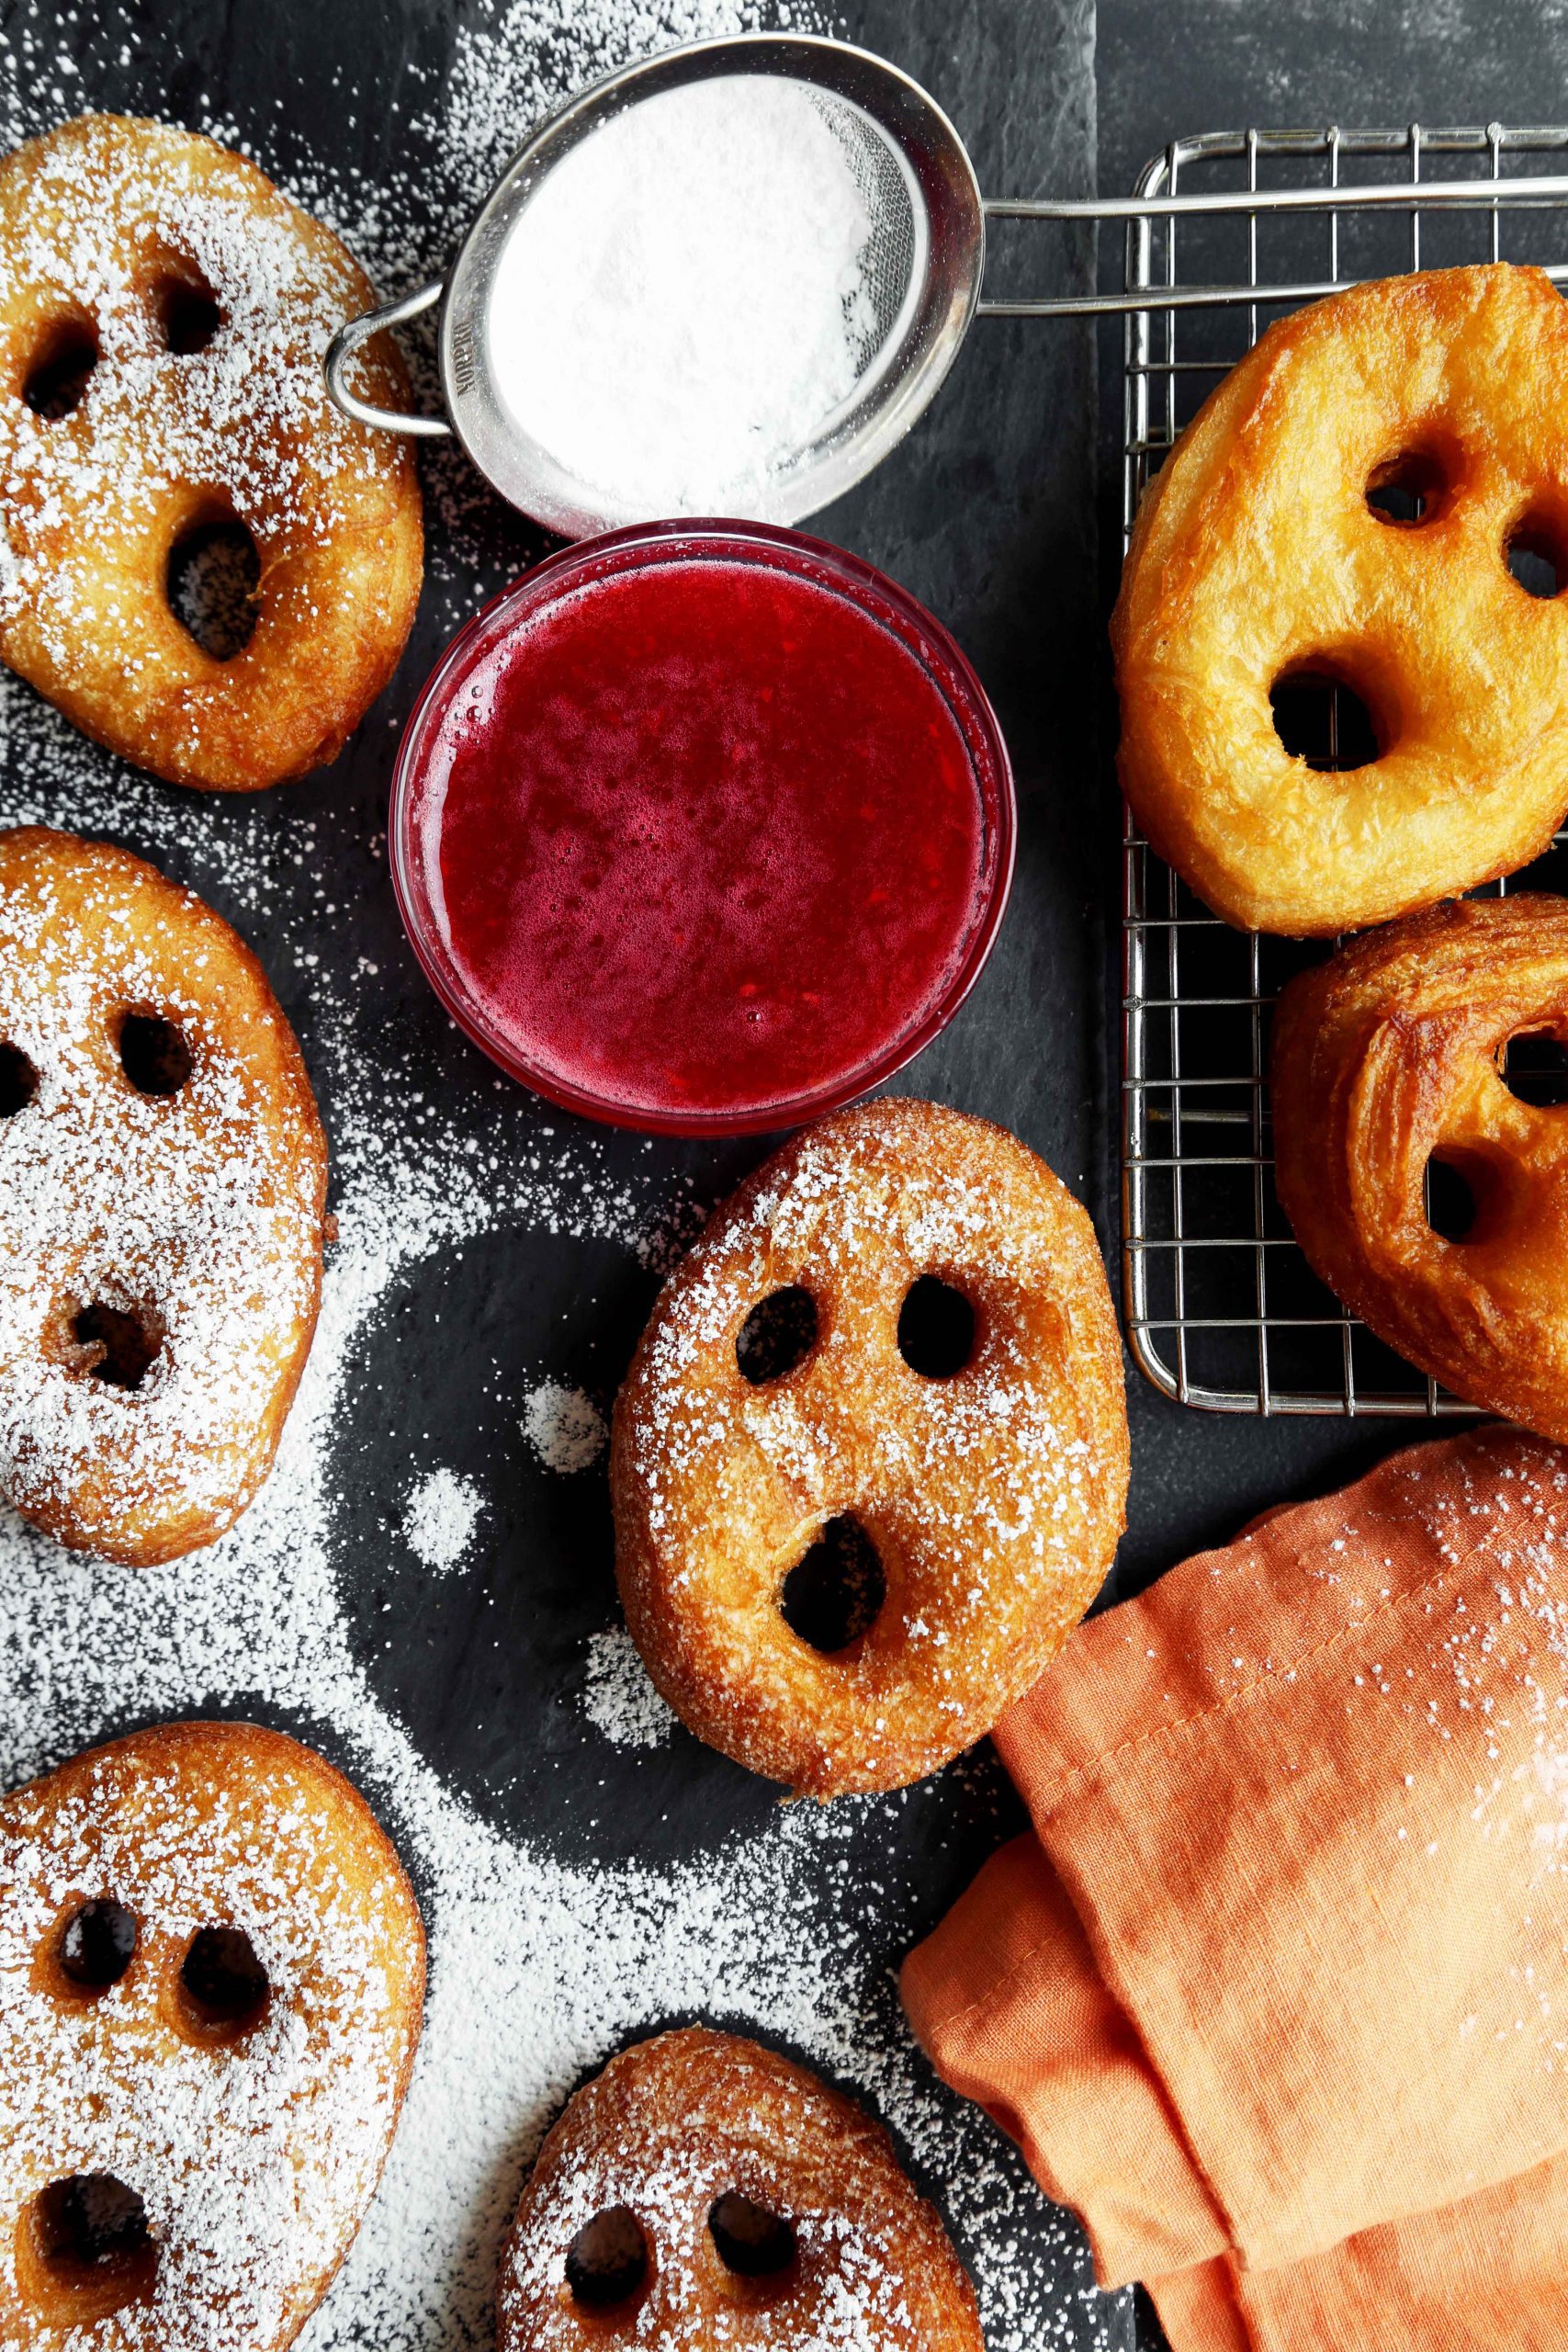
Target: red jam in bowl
(703, 827)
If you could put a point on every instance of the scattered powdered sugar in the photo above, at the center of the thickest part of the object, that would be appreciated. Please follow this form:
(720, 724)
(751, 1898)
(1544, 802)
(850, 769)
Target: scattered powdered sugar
(439, 1520)
(681, 307)
(619, 1700)
(541, 1966)
(564, 1427)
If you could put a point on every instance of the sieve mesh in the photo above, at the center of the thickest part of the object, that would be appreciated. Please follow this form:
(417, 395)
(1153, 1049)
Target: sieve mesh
(891, 254)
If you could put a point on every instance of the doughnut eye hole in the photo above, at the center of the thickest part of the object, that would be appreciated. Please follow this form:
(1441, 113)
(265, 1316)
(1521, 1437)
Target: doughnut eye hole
(606, 2263)
(779, 1333)
(1321, 719)
(750, 2240)
(19, 1081)
(834, 1595)
(1534, 1069)
(1452, 1205)
(83, 2250)
(153, 1053)
(188, 312)
(97, 1944)
(121, 1344)
(1408, 490)
(213, 583)
(936, 1328)
(56, 380)
(224, 1989)
(1536, 553)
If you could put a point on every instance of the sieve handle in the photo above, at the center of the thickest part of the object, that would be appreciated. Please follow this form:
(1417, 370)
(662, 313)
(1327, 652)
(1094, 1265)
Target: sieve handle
(347, 341)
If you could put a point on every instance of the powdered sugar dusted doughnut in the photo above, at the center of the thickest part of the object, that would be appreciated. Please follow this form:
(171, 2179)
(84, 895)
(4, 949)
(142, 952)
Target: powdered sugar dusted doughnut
(212, 1972)
(870, 1461)
(163, 1174)
(163, 314)
(703, 2192)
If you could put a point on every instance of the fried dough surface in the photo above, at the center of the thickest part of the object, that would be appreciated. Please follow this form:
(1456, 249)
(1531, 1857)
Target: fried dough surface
(163, 1181)
(1257, 557)
(1388, 1057)
(121, 240)
(198, 2103)
(698, 2124)
(992, 1498)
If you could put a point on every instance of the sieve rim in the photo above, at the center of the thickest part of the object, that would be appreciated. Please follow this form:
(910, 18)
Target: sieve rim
(935, 165)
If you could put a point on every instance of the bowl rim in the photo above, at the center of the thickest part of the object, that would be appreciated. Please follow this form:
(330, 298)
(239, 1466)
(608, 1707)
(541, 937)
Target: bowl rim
(776, 548)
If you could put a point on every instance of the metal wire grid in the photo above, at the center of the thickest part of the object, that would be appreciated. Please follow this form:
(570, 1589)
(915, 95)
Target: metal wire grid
(1223, 1311)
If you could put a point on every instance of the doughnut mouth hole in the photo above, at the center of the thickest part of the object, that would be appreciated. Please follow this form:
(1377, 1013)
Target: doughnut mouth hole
(1536, 553)
(19, 1081)
(119, 1344)
(224, 1989)
(936, 1328)
(96, 1945)
(1320, 717)
(749, 2240)
(606, 2263)
(1451, 1204)
(56, 382)
(777, 1336)
(834, 1595)
(83, 2250)
(188, 313)
(153, 1053)
(213, 583)
(1408, 490)
(1534, 1069)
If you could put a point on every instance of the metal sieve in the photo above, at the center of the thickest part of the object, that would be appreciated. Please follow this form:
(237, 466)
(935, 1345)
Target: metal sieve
(922, 266)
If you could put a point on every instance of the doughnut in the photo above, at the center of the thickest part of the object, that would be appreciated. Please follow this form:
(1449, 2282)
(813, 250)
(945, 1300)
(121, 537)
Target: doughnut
(211, 1978)
(1259, 559)
(163, 1178)
(163, 314)
(1389, 1057)
(703, 2191)
(869, 1465)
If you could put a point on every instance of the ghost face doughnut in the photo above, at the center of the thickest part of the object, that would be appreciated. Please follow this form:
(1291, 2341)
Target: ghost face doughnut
(164, 313)
(870, 1462)
(212, 1972)
(703, 2192)
(1258, 559)
(1387, 1058)
(163, 1174)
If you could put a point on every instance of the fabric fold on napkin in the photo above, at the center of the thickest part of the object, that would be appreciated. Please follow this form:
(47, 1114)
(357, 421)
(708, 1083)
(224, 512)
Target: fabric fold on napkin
(1275, 1992)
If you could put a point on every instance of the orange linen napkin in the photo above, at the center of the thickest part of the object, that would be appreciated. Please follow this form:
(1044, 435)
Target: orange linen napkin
(1276, 1993)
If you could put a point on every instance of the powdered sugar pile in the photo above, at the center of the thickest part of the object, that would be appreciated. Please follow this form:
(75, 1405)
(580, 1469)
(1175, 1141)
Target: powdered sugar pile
(680, 307)
(564, 1427)
(621, 1701)
(541, 1965)
(439, 1520)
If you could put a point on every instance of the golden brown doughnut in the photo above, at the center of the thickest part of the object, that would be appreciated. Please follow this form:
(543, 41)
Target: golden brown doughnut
(162, 1176)
(703, 2192)
(1387, 1056)
(1257, 558)
(986, 1501)
(131, 240)
(211, 1975)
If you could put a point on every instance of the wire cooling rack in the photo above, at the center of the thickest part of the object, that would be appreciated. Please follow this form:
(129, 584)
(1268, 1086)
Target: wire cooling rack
(1223, 1311)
